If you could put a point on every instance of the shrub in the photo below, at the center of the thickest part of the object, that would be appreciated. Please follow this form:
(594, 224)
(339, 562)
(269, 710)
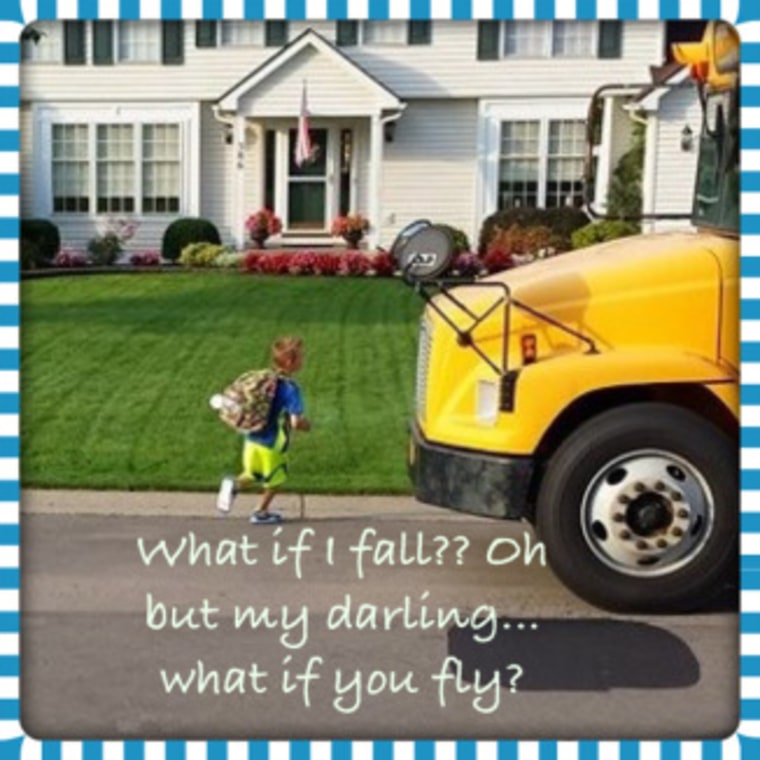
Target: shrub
(522, 241)
(145, 259)
(383, 264)
(327, 264)
(229, 260)
(458, 237)
(69, 258)
(106, 247)
(200, 254)
(561, 221)
(497, 261)
(42, 241)
(181, 232)
(601, 232)
(625, 196)
(29, 254)
(466, 264)
(353, 264)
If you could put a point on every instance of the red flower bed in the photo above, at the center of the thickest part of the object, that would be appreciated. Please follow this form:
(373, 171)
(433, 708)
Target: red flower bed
(348, 264)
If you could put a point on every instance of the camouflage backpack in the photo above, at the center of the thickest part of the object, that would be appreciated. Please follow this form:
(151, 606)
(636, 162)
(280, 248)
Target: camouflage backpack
(247, 401)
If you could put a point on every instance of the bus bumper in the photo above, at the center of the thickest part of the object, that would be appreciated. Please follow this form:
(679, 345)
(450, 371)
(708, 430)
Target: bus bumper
(470, 481)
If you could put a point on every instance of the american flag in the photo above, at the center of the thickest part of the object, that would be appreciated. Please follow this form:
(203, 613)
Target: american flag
(303, 149)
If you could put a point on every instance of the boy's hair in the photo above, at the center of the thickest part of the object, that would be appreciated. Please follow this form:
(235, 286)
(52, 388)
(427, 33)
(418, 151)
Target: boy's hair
(285, 349)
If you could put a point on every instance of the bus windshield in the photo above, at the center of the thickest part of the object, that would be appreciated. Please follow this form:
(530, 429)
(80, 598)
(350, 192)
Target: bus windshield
(716, 196)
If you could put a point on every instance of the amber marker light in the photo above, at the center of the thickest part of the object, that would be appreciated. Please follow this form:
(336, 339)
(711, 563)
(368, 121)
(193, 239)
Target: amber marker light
(529, 350)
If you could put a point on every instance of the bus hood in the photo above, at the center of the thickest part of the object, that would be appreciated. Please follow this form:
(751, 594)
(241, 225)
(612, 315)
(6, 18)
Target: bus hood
(656, 291)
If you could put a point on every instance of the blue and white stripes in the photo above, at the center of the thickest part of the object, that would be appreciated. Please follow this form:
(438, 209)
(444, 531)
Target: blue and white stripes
(13, 744)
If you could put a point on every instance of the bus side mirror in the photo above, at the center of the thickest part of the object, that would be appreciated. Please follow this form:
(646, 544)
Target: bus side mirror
(423, 250)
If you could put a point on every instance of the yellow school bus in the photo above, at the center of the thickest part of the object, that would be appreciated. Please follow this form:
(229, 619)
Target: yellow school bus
(595, 394)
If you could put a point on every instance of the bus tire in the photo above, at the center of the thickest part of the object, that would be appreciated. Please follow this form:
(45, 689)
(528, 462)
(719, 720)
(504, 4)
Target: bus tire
(639, 510)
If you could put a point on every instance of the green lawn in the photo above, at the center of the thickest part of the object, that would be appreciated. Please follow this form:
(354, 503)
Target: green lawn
(117, 371)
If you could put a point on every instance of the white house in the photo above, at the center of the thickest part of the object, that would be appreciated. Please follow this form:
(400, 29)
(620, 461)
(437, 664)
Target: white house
(444, 120)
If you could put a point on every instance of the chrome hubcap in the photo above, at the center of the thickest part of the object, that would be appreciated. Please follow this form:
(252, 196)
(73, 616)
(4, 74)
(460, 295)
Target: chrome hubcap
(647, 513)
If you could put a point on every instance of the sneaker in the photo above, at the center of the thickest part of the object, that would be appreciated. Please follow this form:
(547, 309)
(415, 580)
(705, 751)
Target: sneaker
(266, 518)
(226, 495)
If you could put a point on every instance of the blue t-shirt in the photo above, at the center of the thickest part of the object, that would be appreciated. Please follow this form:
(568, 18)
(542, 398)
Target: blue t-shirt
(287, 400)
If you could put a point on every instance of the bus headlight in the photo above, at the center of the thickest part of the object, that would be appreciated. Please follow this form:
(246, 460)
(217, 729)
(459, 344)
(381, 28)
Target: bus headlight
(487, 402)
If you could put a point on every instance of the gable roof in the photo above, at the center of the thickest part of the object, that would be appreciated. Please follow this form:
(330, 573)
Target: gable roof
(381, 95)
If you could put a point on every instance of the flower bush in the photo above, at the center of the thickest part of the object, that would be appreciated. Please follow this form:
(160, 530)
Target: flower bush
(351, 224)
(353, 264)
(383, 264)
(466, 264)
(145, 259)
(263, 224)
(349, 264)
(70, 258)
(229, 260)
(106, 247)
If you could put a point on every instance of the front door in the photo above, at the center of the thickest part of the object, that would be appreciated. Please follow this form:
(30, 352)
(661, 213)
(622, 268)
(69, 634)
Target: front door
(308, 184)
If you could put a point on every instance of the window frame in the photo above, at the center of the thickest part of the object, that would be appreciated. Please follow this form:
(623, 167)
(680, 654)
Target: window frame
(185, 116)
(491, 115)
(548, 46)
(119, 27)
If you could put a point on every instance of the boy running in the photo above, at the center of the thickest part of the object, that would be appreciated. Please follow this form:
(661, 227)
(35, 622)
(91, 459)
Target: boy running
(265, 453)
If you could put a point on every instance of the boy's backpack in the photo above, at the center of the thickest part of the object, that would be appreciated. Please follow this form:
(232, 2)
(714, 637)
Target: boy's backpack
(247, 401)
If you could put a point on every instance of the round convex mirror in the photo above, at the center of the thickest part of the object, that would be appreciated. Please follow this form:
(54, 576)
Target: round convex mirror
(426, 253)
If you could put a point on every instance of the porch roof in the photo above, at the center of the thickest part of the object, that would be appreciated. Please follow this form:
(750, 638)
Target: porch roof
(336, 85)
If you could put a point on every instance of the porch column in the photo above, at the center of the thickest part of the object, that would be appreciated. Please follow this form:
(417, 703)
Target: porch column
(375, 177)
(238, 183)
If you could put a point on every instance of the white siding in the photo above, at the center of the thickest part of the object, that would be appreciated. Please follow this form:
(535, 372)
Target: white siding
(675, 169)
(430, 169)
(332, 89)
(216, 181)
(446, 68)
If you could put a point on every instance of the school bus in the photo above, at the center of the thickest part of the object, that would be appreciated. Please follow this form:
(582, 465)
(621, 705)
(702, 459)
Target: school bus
(595, 393)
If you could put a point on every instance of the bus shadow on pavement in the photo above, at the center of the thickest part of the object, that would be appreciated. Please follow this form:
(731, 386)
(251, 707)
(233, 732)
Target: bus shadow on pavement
(576, 655)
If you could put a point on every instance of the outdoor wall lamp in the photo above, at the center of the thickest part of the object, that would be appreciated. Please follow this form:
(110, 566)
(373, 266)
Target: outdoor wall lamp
(228, 134)
(687, 138)
(389, 131)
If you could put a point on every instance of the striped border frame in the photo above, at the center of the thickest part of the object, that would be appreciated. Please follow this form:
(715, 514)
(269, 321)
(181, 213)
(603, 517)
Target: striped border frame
(14, 745)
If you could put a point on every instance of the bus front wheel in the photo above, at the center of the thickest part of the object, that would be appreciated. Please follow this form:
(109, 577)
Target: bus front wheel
(638, 509)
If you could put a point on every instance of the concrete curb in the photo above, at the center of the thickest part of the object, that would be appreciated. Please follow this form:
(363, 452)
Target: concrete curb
(181, 504)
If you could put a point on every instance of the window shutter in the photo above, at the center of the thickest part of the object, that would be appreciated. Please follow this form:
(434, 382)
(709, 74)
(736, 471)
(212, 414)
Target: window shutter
(173, 39)
(347, 33)
(419, 33)
(205, 34)
(276, 33)
(488, 40)
(102, 42)
(74, 42)
(610, 39)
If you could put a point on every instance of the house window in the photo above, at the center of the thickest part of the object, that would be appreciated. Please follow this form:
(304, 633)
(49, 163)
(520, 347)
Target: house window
(526, 39)
(160, 168)
(384, 32)
(242, 33)
(139, 41)
(115, 168)
(547, 39)
(133, 168)
(574, 39)
(70, 147)
(43, 43)
(567, 145)
(541, 163)
(519, 164)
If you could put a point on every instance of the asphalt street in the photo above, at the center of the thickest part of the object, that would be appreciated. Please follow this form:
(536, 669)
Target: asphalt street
(147, 616)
